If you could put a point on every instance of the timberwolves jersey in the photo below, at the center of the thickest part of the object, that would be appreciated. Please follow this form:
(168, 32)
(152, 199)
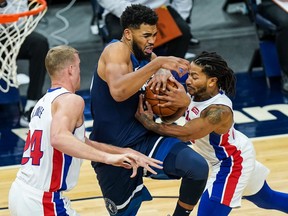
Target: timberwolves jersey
(114, 122)
(44, 167)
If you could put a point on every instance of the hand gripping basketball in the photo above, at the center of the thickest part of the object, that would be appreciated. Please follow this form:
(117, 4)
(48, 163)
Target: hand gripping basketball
(159, 111)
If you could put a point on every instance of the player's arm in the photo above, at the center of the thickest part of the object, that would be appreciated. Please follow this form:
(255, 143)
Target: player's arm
(217, 118)
(65, 120)
(117, 67)
(141, 159)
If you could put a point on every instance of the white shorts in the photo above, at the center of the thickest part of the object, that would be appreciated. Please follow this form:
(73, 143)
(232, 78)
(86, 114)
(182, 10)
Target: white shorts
(224, 187)
(256, 181)
(26, 200)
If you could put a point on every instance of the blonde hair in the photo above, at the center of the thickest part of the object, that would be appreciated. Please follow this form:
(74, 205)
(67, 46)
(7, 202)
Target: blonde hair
(59, 57)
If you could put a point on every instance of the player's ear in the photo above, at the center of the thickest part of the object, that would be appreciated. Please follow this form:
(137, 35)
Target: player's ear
(213, 81)
(127, 34)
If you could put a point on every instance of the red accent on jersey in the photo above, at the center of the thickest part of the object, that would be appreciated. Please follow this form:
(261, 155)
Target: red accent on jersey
(48, 205)
(235, 171)
(56, 177)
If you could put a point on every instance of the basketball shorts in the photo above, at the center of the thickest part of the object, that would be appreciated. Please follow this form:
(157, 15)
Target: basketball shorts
(122, 194)
(228, 182)
(26, 200)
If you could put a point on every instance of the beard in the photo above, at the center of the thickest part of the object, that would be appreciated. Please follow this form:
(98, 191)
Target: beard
(138, 52)
(199, 95)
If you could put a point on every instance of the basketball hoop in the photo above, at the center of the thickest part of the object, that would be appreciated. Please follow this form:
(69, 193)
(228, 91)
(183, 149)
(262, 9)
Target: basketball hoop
(14, 28)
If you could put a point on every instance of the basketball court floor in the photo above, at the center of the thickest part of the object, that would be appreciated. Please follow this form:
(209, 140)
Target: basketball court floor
(261, 112)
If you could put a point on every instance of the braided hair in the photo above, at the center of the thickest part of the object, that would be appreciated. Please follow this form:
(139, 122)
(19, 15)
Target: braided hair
(214, 65)
(138, 14)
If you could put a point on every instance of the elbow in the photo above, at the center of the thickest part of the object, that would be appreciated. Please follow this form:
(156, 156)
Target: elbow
(55, 141)
(184, 139)
(119, 96)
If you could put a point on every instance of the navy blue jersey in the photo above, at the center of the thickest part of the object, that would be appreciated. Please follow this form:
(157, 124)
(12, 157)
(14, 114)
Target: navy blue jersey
(114, 122)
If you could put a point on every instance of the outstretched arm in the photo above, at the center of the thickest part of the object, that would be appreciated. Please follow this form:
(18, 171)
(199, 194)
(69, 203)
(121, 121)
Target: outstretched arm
(64, 121)
(217, 118)
(139, 158)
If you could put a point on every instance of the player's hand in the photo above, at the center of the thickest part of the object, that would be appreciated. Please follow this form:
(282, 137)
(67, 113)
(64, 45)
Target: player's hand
(159, 80)
(144, 116)
(144, 161)
(168, 64)
(175, 97)
(133, 160)
(173, 63)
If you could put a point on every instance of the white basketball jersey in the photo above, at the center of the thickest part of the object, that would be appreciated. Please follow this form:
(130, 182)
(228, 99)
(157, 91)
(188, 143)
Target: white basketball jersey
(44, 167)
(215, 147)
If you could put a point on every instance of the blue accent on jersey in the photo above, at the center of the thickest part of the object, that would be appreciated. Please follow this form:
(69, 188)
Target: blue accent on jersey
(59, 205)
(53, 89)
(67, 163)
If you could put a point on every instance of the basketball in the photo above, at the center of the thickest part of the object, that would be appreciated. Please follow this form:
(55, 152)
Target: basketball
(159, 111)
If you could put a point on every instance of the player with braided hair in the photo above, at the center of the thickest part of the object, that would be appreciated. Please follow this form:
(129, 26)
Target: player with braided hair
(235, 173)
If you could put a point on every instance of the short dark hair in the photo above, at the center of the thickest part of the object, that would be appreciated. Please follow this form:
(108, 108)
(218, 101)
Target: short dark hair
(213, 65)
(138, 14)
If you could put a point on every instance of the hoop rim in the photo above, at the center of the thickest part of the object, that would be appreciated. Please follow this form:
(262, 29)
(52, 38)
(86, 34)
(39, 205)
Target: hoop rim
(6, 18)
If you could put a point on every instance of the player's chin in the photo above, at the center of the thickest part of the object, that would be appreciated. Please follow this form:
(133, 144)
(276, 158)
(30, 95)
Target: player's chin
(190, 90)
(147, 54)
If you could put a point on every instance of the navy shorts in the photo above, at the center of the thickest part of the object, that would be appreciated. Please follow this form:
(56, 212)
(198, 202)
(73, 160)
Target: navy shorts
(123, 195)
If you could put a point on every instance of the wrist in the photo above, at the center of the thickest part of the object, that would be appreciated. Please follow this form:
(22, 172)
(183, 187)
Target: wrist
(187, 101)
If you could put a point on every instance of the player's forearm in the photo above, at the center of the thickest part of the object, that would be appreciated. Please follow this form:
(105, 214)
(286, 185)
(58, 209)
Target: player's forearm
(106, 147)
(161, 128)
(128, 85)
(170, 119)
(70, 145)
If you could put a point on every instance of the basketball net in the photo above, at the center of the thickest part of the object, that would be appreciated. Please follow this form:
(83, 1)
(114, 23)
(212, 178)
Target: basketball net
(14, 28)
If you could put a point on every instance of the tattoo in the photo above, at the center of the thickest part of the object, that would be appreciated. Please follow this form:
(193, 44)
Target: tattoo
(213, 114)
(147, 122)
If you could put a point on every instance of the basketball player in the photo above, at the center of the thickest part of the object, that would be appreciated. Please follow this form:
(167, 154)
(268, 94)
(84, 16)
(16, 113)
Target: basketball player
(56, 144)
(235, 172)
(123, 68)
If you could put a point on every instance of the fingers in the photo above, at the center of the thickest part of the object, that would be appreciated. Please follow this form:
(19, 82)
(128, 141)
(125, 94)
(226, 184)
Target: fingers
(149, 169)
(140, 103)
(149, 107)
(181, 65)
(134, 172)
(134, 161)
(155, 165)
(130, 162)
(151, 162)
(178, 84)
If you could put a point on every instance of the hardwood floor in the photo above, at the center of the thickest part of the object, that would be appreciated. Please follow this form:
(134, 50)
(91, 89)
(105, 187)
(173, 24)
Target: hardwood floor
(86, 196)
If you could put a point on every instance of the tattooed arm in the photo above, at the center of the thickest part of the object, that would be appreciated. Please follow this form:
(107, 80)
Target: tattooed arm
(215, 118)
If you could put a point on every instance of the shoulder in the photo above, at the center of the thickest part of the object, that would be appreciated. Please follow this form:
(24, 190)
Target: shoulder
(117, 46)
(217, 113)
(69, 100)
(115, 51)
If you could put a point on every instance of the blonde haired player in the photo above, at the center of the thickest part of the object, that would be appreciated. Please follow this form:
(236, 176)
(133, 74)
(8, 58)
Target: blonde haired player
(56, 144)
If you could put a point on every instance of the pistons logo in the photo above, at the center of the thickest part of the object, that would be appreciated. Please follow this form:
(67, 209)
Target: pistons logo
(195, 110)
(110, 206)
